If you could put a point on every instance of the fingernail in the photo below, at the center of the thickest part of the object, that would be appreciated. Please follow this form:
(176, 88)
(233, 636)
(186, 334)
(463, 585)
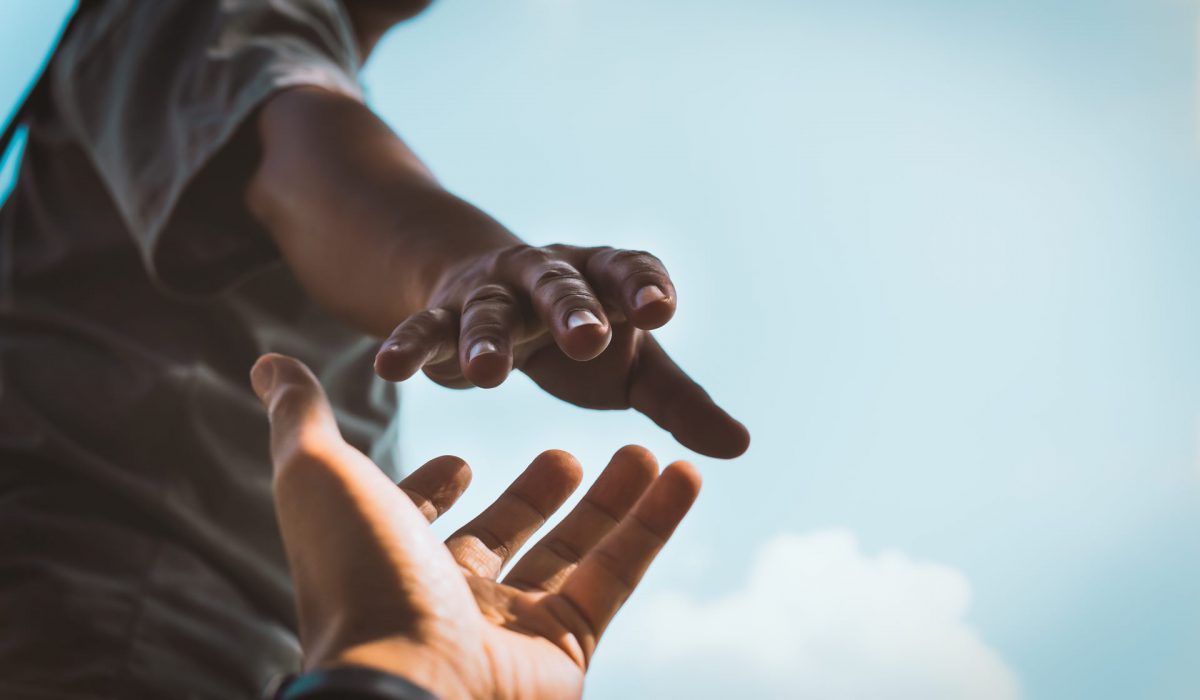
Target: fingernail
(582, 317)
(262, 378)
(648, 295)
(481, 347)
(392, 348)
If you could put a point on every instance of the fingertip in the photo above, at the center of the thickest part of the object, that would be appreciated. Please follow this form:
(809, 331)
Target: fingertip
(273, 370)
(742, 443)
(722, 437)
(583, 342)
(301, 419)
(652, 308)
(684, 477)
(557, 455)
(452, 470)
(559, 465)
(262, 375)
(487, 368)
(649, 294)
(629, 473)
(395, 364)
(735, 442)
(440, 481)
(584, 319)
(548, 481)
(632, 451)
(670, 498)
(635, 457)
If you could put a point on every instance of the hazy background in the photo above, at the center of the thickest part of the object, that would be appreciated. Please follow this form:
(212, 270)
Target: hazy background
(939, 256)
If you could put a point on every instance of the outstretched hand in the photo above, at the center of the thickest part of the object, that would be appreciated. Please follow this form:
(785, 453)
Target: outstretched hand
(577, 321)
(375, 588)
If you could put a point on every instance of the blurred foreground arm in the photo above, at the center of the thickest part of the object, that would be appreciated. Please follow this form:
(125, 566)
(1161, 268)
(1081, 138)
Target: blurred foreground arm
(378, 242)
(375, 589)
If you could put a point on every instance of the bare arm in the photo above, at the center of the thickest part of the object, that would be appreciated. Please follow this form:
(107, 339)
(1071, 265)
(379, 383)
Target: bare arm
(358, 217)
(379, 243)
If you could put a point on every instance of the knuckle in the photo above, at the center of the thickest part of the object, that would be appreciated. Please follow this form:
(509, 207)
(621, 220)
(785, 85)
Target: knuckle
(556, 273)
(639, 260)
(427, 321)
(575, 300)
(492, 329)
(561, 249)
(563, 550)
(520, 256)
(644, 273)
(488, 295)
(614, 565)
(435, 315)
(621, 264)
(631, 256)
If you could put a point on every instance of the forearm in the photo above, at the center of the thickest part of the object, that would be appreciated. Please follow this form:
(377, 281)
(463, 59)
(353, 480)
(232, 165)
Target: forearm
(365, 227)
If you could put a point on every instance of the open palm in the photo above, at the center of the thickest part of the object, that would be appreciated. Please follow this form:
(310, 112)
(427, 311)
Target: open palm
(375, 588)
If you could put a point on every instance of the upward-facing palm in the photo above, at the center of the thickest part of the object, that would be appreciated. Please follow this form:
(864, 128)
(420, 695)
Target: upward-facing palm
(375, 588)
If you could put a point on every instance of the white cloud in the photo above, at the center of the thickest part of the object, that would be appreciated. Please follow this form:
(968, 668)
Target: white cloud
(819, 619)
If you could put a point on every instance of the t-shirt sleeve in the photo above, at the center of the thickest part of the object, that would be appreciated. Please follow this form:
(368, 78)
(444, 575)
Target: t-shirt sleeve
(157, 93)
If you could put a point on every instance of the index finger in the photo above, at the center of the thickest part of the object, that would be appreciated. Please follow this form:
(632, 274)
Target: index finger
(436, 485)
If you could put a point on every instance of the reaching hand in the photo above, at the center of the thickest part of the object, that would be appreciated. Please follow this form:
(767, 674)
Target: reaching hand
(576, 320)
(374, 588)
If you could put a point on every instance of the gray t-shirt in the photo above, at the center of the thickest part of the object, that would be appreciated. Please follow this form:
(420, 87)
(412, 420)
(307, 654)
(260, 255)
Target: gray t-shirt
(135, 293)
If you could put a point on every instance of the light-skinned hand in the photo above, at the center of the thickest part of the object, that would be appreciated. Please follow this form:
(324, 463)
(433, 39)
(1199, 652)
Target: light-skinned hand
(375, 588)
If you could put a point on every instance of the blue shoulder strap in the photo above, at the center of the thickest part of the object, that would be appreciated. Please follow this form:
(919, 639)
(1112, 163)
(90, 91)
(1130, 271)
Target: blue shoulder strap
(38, 84)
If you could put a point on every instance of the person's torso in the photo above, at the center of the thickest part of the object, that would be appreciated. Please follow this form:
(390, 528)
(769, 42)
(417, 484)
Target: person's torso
(146, 395)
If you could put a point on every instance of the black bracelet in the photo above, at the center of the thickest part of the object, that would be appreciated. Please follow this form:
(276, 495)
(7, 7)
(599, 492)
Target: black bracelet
(346, 682)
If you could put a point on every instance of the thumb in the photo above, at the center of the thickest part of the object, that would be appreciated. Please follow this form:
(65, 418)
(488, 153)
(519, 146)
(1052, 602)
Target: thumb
(300, 415)
(361, 554)
(664, 392)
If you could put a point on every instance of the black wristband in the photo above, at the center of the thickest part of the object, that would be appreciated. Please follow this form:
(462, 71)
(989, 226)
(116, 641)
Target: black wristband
(346, 683)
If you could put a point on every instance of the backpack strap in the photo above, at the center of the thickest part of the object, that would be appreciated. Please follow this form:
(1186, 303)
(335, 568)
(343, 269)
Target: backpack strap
(38, 85)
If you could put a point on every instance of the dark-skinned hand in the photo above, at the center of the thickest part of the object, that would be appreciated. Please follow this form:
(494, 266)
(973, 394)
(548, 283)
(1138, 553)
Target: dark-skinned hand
(577, 321)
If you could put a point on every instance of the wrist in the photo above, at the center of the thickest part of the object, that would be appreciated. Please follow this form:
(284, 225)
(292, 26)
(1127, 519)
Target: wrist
(344, 683)
(418, 663)
(448, 235)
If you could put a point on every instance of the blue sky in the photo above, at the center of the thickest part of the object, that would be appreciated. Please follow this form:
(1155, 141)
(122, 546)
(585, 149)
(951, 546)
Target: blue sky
(939, 256)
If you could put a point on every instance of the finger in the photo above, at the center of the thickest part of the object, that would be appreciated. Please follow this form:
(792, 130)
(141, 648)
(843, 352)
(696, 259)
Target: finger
(564, 301)
(631, 470)
(484, 545)
(490, 318)
(342, 520)
(436, 485)
(300, 415)
(636, 283)
(307, 448)
(665, 394)
(607, 575)
(423, 338)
